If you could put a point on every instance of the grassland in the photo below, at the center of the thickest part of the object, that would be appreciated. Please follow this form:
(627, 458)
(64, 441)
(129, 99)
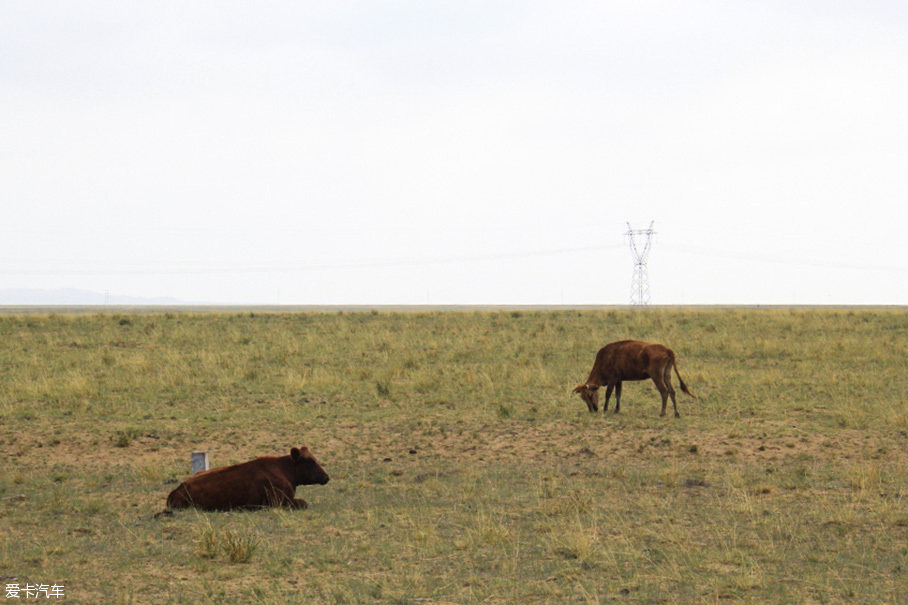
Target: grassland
(463, 470)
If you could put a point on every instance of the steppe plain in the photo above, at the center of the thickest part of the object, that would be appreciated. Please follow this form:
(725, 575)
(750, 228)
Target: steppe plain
(462, 468)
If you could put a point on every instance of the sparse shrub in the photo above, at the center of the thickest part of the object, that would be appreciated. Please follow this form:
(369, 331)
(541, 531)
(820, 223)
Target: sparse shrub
(577, 542)
(240, 547)
(93, 506)
(151, 474)
(123, 437)
(207, 542)
(492, 529)
(865, 478)
(549, 487)
(237, 546)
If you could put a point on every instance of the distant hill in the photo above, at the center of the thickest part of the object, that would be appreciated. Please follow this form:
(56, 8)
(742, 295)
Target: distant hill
(76, 297)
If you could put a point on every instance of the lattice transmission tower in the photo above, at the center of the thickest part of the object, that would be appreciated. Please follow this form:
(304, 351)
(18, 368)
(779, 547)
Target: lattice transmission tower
(640, 282)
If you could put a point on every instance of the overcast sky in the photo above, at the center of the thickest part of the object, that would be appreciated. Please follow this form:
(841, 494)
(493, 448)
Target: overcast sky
(456, 152)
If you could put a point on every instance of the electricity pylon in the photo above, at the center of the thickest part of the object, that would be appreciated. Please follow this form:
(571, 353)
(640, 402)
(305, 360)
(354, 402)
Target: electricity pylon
(640, 282)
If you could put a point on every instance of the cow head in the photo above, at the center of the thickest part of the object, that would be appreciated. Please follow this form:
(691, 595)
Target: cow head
(590, 395)
(306, 469)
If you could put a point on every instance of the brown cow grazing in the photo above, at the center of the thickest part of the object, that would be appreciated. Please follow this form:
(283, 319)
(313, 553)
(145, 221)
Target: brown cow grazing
(266, 481)
(631, 360)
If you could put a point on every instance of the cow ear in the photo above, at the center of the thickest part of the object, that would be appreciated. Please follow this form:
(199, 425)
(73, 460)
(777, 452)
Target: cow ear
(295, 453)
(579, 388)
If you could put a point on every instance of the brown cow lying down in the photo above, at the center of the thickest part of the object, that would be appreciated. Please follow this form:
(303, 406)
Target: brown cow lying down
(266, 481)
(631, 360)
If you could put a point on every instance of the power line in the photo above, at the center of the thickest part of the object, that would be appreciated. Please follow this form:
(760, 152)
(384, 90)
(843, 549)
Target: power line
(71, 267)
(145, 269)
(778, 260)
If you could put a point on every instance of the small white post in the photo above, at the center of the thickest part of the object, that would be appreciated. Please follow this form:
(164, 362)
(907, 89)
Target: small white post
(199, 462)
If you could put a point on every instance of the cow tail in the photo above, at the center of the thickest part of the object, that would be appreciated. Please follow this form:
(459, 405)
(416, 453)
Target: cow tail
(680, 380)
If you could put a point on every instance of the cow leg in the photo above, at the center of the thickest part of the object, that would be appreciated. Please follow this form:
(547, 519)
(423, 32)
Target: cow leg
(618, 397)
(660, 384)
(290, 502)
(608, 393)
(283, 496)
(667, 379)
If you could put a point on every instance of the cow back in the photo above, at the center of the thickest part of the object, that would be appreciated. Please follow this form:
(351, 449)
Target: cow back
(242, 485)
